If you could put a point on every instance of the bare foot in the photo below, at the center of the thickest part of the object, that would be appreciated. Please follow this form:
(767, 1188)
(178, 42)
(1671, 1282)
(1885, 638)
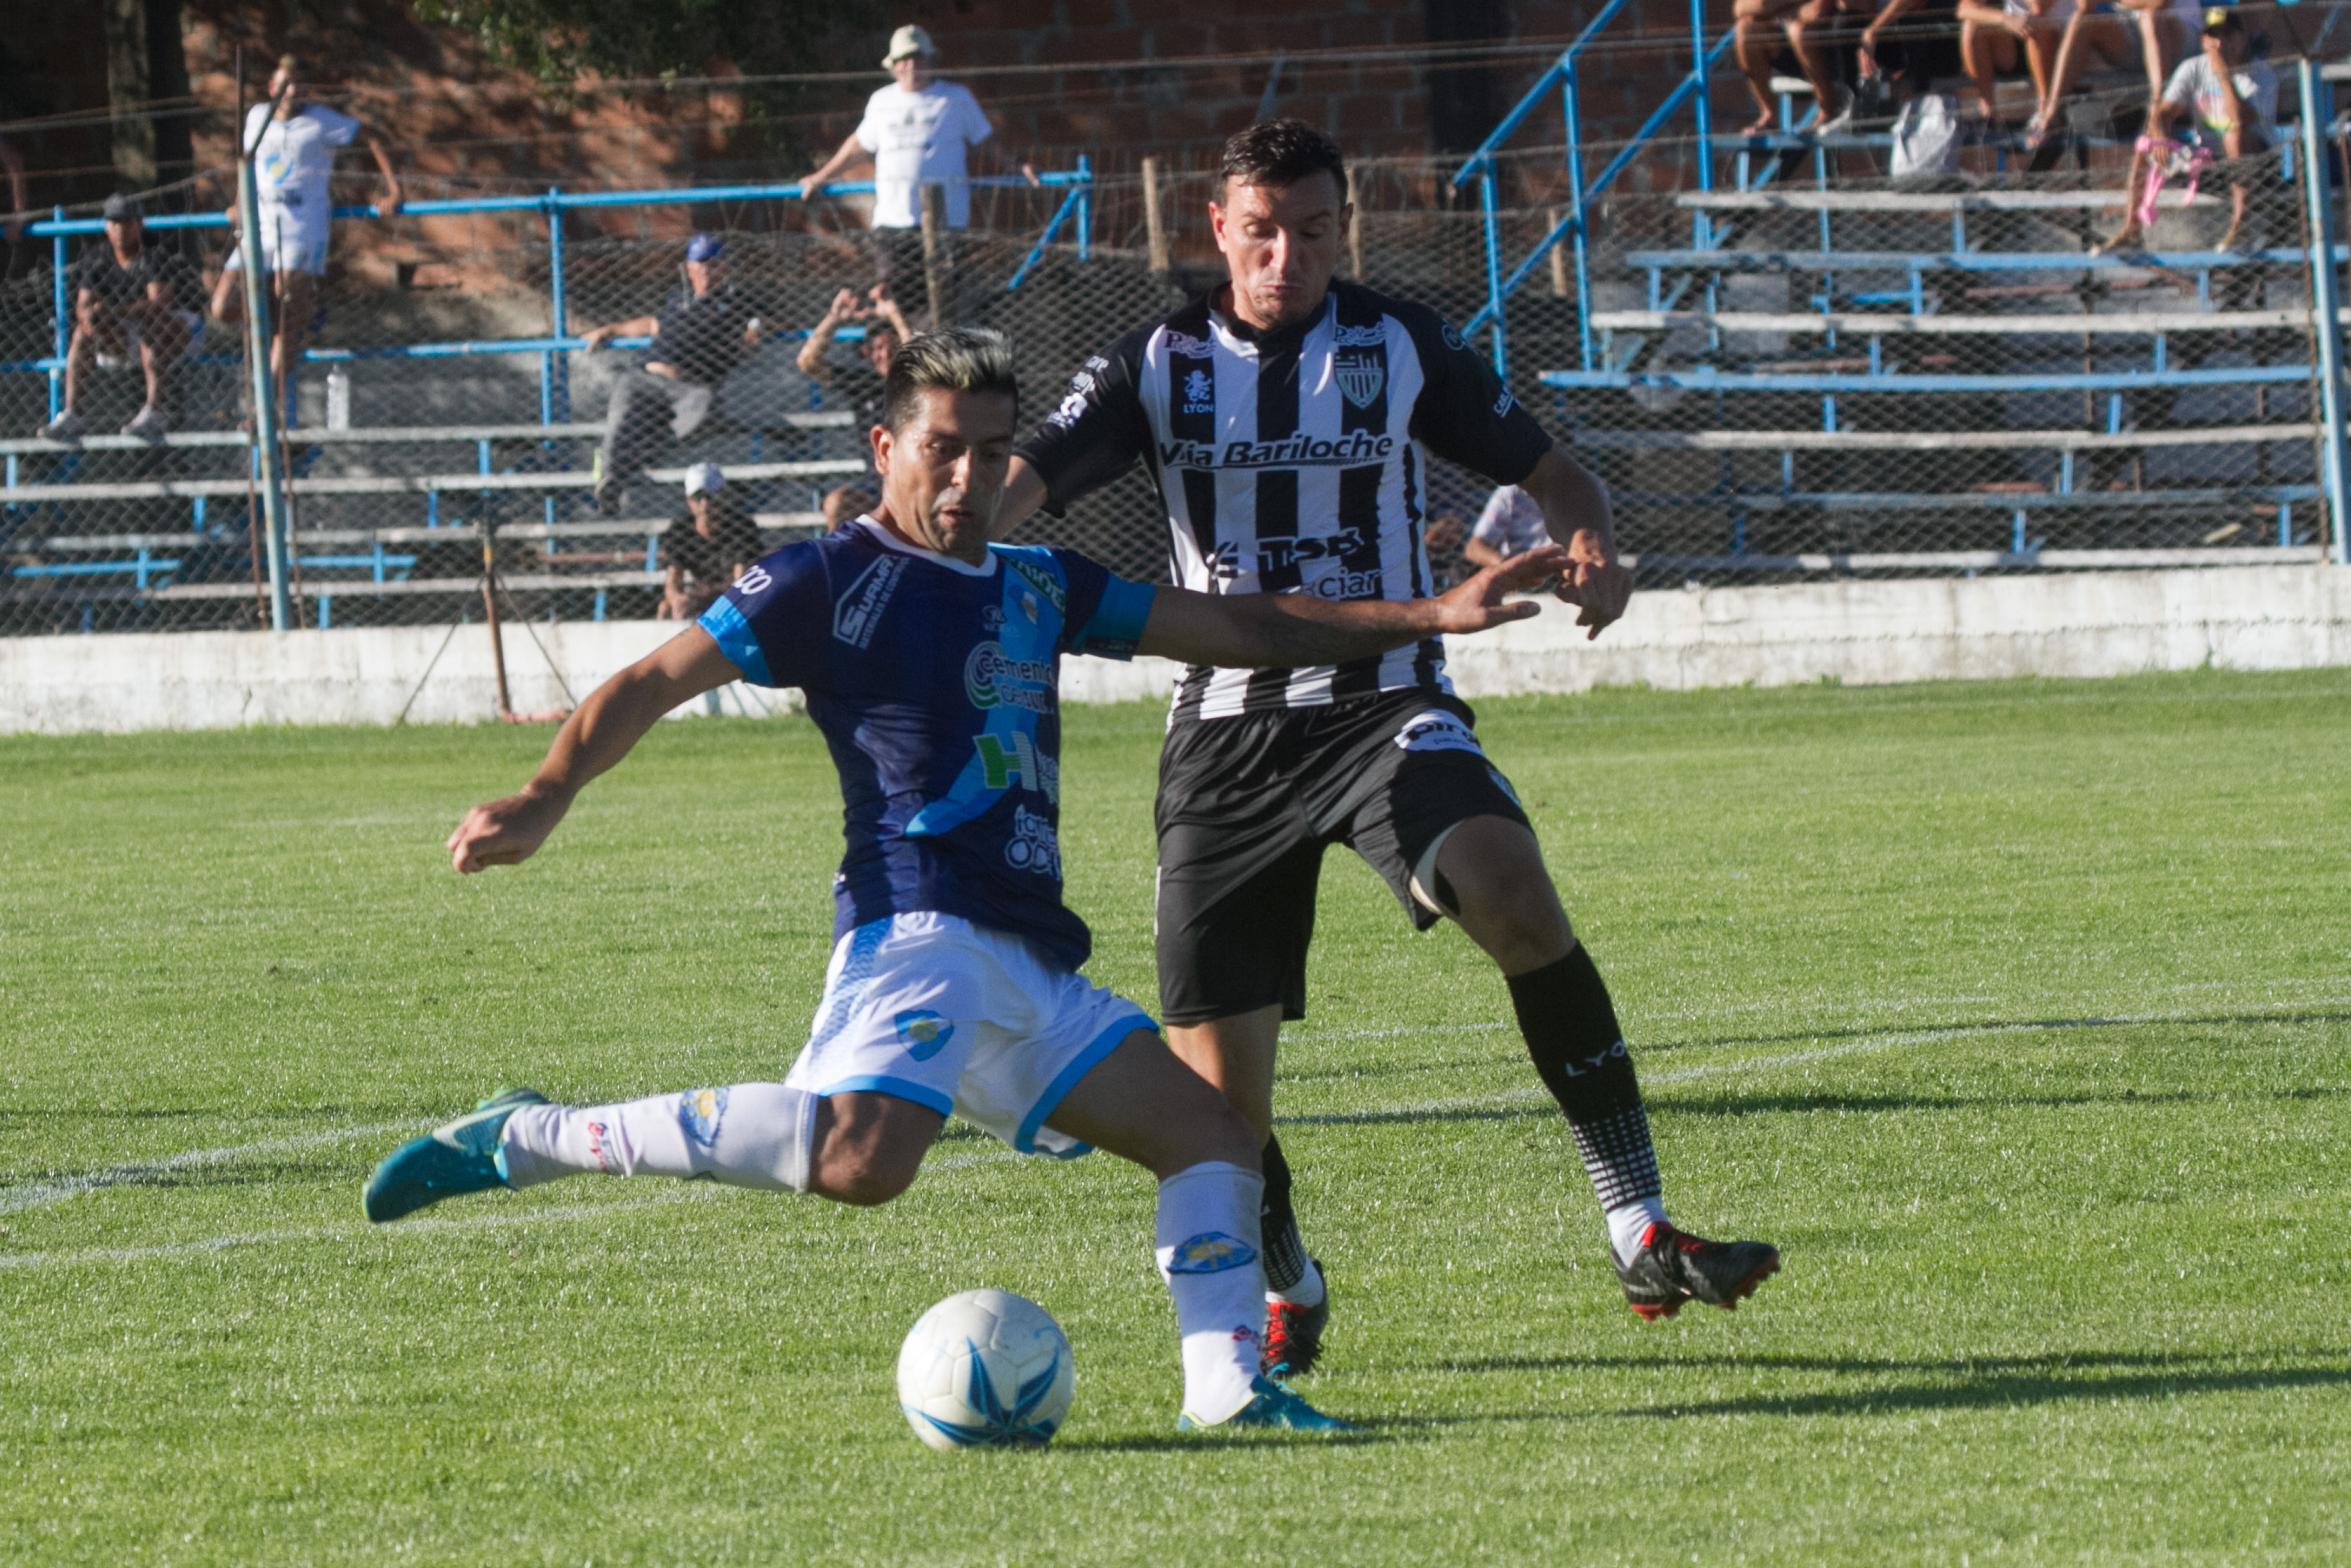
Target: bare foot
(2128, 238)
(1763, 123)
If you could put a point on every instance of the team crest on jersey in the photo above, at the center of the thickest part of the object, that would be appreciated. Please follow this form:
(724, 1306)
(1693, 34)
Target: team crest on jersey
(1210, 1252)
(699, 1112)
(1199, 394)
(924, 1033)
(1435, 730)
(860, 610)
(1361, 377)
(1186, 346)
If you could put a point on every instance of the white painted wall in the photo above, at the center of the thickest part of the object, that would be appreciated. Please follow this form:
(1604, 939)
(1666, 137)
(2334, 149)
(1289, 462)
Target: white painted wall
(1861, 633)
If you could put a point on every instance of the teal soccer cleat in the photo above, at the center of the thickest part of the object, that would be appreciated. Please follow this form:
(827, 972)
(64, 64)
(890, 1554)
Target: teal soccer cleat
(1274, 1409)
(460, 1157)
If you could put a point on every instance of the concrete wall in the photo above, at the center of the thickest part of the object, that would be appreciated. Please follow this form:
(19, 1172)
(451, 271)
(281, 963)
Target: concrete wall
(2090, 623)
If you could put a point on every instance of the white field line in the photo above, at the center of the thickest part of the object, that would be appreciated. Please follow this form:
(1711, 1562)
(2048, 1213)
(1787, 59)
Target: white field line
(33, 1195)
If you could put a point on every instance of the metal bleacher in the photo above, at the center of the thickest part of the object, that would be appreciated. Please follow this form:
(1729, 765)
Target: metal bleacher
(1842, 372)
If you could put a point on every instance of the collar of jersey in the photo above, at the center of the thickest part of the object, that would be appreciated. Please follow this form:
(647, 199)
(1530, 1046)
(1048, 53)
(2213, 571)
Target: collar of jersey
(875, 533)
(1280, 337)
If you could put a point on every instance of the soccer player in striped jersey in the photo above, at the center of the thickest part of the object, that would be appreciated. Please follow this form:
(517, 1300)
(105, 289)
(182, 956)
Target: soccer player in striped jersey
(1283, 417)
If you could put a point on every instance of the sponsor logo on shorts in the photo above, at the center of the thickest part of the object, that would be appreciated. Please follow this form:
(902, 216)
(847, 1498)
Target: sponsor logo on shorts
(1210, 1252)
(1437, 731)
(991, 676)
(923, 1033)
(1003, 764)
(699, 1112)
(860, 610)
(1034, 846)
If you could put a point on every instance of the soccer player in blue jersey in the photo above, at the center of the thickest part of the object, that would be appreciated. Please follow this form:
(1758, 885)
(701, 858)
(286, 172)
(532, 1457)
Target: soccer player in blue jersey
(930, 661)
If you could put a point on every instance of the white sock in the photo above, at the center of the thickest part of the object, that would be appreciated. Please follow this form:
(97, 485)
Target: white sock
(1628, 1225)
(1307, 1293)
(1207, 1245)
(746, 1134)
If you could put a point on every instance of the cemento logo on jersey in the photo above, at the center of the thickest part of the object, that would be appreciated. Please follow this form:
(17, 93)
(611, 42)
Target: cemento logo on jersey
(1361, 377)
(699, 1112)
(1037, 578)
(1437, 731)
(991, 675)
(1186, 346)
(860, 610)
(1199, 394)
(1003, 765)
(1210, 1252)
(755, 580)
(1034, 846)
(1352, 450)
(923, 1033)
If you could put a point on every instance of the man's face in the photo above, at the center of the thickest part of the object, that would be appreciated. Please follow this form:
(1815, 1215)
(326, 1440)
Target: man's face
(2230, 43)
(699, 504)
(705, 275)
(127, 236)
(282, 80)
(881, 348)
(942, 473)
(1280, 245)
(913, 73)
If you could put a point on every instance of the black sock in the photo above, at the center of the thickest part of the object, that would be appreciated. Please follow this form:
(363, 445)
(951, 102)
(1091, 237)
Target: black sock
(1285, 1251)
(1571, 1031)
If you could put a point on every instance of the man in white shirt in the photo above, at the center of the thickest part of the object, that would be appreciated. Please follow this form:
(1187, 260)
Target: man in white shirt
(918, 131)
(294, 147)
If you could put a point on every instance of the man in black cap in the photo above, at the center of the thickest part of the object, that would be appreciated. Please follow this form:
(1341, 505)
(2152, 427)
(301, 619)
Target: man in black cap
(128, 303)
(700, 334)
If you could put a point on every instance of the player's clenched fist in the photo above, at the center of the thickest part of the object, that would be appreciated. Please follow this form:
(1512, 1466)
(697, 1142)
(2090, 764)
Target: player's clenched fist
(1599, 585)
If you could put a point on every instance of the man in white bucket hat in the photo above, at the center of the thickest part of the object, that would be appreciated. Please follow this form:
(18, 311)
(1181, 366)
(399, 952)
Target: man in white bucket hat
(918, 130)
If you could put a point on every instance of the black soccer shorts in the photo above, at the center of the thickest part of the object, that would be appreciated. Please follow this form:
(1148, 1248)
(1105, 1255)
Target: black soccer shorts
(1248, 804)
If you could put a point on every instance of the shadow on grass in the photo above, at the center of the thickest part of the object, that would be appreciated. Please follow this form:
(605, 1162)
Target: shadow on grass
(1192, 1442)
(1998, 1026)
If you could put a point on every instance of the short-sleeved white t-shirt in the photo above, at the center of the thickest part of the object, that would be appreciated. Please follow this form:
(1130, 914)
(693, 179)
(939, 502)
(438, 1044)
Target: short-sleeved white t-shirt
(290, 166)
(1512, 522)
(918, 136)
(2196, 82)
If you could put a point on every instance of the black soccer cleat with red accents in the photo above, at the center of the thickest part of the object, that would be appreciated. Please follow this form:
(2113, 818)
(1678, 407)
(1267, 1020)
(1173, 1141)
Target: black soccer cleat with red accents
(1294, 1335)
(1673, 1267)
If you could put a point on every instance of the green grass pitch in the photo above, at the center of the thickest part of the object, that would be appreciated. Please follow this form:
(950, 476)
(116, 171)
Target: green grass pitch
(2017, 1014)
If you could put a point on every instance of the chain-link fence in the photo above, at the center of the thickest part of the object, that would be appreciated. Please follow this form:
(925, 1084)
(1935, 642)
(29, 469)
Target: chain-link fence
(1871, 376)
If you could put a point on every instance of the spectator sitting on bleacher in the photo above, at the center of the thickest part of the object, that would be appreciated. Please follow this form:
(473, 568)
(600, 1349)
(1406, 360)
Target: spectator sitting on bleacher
(858, 385)
(1992, 36)
(700, 334)
(130, 303)
(2231, 106)
(706, 547)
(1757, 28)
(1910, 44)
(2152, 34)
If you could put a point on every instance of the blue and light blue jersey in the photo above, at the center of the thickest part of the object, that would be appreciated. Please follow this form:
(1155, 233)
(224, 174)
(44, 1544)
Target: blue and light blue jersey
(935, 684)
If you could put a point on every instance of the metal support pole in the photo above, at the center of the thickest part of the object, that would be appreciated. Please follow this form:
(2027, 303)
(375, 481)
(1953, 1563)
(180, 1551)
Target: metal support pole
(64, 319)
(1702, 105)
(490, 611)
(1494, 271)
(934, 220)
(1085, 209)
(1571, 109)
(268, 451)
(2326, 304)
(1156, 232)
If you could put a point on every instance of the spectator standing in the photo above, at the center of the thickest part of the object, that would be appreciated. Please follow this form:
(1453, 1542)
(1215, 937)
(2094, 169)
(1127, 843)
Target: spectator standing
(700, 334)
(2231, 104)
(859, 384)
(294, 147)
(918, 130)
(708, 547)
(131, 302)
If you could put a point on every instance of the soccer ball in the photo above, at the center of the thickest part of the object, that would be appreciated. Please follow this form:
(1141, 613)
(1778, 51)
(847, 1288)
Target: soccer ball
(985, 1369)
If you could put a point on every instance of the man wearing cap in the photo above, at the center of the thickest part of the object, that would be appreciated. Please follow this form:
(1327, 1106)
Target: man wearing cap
(2230, 102)
(710, 545)
(130, 301)
(859, 385)
(700, 334)
(918, 131)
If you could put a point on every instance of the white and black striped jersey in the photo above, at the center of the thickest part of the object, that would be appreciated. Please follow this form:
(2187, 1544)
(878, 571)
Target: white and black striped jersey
(1290, 462)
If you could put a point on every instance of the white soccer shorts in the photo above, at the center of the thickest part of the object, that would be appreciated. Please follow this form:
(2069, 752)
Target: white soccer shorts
(960, 1018)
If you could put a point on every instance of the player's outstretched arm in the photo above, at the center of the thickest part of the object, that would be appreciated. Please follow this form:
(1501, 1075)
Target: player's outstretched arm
(1286, 630)
(598, 733)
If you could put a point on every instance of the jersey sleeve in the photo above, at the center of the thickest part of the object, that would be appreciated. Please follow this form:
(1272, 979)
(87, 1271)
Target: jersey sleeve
(1099, 430)
(1105, 612)
(975, 128)
(773, 620)
(1465, 413)
(337, 128)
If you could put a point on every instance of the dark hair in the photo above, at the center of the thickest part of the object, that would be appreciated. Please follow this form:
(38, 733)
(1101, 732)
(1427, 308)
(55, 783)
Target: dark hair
(958, 359)
(1279, 152)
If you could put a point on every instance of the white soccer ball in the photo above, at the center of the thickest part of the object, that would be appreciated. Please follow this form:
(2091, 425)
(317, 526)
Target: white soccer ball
(985, 1369)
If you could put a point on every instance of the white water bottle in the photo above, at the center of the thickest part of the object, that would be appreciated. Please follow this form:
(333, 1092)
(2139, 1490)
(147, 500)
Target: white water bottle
(339, 399)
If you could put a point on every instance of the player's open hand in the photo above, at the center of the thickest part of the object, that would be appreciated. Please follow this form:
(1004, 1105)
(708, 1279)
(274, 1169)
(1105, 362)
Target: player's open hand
(1478, 603)
(1596, 582)
(504, 832)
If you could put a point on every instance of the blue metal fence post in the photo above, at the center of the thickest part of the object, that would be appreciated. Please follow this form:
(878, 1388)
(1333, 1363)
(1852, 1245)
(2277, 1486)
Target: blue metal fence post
(1494, 271)
(1085, 209)
(1702, 106)
(2326, 304)
(64, 319)
(1569, 91)
(555, 365)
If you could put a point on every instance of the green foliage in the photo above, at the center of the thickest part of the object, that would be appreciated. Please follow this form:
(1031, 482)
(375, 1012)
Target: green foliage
(560, 40)
(2015, 1013)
